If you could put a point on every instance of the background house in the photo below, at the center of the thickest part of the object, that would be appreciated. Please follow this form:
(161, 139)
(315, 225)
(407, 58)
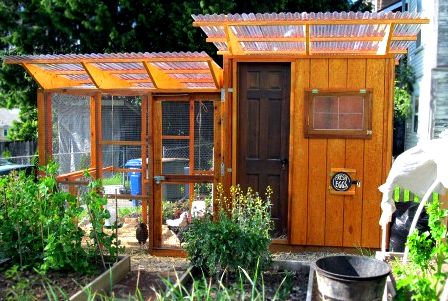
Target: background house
(6, 119)
(428, 57)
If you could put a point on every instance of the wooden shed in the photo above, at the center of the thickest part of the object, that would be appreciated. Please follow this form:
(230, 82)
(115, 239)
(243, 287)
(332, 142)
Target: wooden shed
(303, 103)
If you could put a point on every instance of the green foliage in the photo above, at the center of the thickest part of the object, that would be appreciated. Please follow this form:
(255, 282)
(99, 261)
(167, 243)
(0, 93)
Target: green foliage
(247, 287)
(402, 103)
(21, 290)
(38, 223)
(423, 277)
(238, 238)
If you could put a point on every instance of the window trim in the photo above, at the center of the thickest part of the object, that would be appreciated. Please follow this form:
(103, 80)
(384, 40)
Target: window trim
(365, 133)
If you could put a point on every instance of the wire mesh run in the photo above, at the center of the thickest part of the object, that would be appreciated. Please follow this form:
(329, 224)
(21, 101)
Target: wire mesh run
(71, 132)
(121, 118)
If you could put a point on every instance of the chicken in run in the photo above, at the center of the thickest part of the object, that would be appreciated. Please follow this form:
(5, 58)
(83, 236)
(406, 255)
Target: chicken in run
(141, 233)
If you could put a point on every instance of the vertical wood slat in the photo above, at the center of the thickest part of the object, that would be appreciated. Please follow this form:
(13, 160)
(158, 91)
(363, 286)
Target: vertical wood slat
(144, 153)
(226, 129)
(217, 151)
(334, 205)
(157, 161)
(150, 172)
(373, 156)
(48, 126)
(191, 146)
(41, 128)
(317, 165)
(299, 158)
(233, 111)
(354, 159)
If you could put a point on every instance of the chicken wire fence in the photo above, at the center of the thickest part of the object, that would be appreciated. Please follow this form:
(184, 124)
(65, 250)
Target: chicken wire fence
(178, 127)
(71, 132)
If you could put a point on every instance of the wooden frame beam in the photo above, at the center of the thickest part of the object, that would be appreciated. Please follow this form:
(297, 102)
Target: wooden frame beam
(313, 39)
(48, 80)
(217, 73)
(160, 79)
(233, 45)
(77, 60)
(103, 79)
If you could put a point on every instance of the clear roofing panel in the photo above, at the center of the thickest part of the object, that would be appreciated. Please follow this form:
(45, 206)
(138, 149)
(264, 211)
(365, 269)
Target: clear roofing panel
(343, 33)
(121, 71)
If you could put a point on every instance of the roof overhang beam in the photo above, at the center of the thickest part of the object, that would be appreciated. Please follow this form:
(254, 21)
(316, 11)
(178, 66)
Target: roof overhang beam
(48, 80)
(160, 79)
(103, 79)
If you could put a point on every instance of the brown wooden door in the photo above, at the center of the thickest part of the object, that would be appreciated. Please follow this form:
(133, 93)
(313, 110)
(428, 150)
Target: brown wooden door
(263, 126)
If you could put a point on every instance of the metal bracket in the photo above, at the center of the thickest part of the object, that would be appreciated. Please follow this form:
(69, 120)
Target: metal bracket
(223, 95)
(223, 169)
(315, 91)
(369, 132)
(362, 91)
(229, 170)
(159, 179)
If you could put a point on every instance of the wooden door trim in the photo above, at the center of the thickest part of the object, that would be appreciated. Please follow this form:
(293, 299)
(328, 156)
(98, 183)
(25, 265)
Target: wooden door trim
(236, 128)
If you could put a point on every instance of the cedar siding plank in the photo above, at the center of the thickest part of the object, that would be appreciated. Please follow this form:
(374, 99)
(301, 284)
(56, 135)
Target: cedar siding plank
(317, 173)
(354, 151)
(334, 212)
(299, 187)
(373, 156)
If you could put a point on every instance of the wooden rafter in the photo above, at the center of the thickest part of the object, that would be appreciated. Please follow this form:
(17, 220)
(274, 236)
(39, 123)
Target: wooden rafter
(233, 45)
(307, 39)
(48, 80)
(160, 79)
(103, 79)
(216, 72)
(384, 45)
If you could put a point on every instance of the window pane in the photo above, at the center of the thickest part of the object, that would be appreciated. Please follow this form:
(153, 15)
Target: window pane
(351, 122)
(325, 104)
(351, 104)
(323, 121)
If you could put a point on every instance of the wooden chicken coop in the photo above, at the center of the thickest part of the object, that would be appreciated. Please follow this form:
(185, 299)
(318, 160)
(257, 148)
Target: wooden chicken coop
(303, 103)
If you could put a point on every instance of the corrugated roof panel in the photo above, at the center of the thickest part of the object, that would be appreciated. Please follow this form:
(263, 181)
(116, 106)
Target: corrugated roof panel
(400, 45)
(347, 47)
(268, 31)
(61, 67)
(119, 66)
(222, 46)
(273, 46)
(132, 76)
(76, 76)
(192, 76)
(200, 85)
(181, 65)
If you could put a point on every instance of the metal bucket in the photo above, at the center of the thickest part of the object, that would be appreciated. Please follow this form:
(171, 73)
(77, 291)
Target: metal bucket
(347, 277)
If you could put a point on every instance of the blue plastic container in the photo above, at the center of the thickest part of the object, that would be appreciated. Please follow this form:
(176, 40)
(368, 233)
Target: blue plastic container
(135, 179)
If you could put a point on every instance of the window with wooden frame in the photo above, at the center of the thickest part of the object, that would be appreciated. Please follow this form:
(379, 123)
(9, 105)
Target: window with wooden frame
(341, 114)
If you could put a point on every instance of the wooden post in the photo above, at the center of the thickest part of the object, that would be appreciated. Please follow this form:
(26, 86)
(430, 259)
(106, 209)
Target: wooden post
(144, 151)
(44, 117)
(150, 181)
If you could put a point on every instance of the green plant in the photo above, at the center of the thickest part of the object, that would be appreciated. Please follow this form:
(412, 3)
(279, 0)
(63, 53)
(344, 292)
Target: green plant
(240, 236)
(38, 226)
(247, 287)
(402, 102)
(6, 154)
(130, 211)
(423, 277)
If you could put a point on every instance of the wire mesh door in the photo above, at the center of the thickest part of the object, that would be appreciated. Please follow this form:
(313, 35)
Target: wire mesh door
(183, 165)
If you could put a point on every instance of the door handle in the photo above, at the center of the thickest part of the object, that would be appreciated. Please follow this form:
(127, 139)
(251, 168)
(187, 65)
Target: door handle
(284, 163)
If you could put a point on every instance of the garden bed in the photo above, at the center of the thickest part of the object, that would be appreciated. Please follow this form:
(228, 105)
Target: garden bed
(34, 286)
(285, 280)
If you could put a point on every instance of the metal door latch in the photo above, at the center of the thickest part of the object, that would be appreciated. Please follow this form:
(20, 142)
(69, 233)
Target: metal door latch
(159, 179)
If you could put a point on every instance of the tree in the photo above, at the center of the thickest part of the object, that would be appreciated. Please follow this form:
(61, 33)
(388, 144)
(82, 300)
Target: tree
(85, 26)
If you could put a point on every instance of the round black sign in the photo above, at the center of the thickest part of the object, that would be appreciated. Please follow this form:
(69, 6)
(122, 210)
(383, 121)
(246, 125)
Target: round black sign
(341, 181)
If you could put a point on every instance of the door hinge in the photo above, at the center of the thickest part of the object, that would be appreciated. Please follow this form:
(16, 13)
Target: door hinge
(223, 169)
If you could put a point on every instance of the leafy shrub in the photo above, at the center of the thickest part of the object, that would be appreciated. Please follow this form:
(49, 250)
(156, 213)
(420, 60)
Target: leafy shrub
(38, 223)
(238, 238)
(422, 278)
